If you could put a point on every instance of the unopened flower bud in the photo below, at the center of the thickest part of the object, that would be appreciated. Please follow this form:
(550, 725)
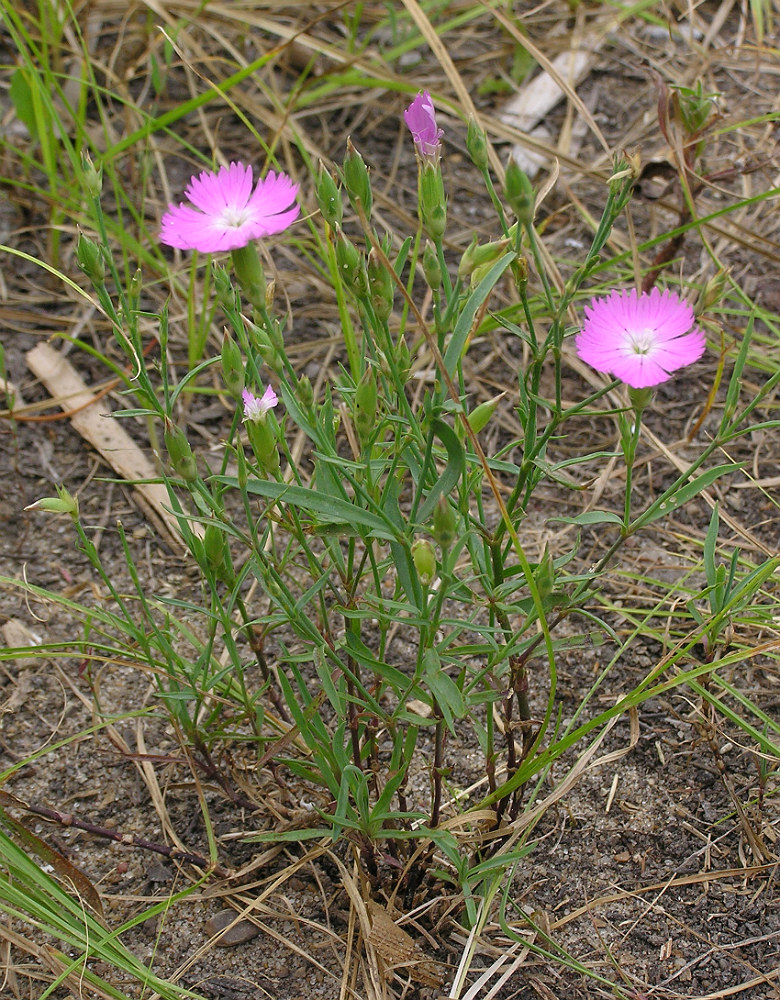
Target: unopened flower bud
(420, 118)
(545, 574)
(232, 366)
(91, 175)
(261, 342)
(329, 198)
(214, 546)
(424, 558)
(63, 503)
(445, 523)
(356, 181)
(431, 266)
(480, 258)
(350, 265)
(180, 452)
(476, 144)
(365, 405)
(403, 358)
(134, 290)
(90, 259)
(305, 392)
(223, 289)
(381, 287)
(519, 193)
(480, 415)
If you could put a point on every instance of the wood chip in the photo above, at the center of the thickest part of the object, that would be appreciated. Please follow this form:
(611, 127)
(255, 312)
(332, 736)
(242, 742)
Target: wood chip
(96, 425)
(538, 97)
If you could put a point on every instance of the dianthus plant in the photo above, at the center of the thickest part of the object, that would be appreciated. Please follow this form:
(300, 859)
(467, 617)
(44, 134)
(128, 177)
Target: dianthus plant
(372, 618)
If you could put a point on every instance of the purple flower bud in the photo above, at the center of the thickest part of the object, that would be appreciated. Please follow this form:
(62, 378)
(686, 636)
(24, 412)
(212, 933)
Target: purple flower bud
(420, 118)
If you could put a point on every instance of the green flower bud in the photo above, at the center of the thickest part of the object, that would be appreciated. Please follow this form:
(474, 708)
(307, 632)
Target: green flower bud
(381, 287)
(545, 574)
(63, 503)
(136, 284)
(214, 545)
(329, 198)
(262, 343)
(179, 452)
(424, 558)
(217, 551)
(365, 408)
(519, 194)
(223, 288)
(305, 392)
(482, 257)
(431, 266)
(356, 181)
(350, 264)
(232, 366)
(468, 261)
(91, 175)
(403, 358)
(445, 523)
(476, 144)
(480, 415)
(90, 259)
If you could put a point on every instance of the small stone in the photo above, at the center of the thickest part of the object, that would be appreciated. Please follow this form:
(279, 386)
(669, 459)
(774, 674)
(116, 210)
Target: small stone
(159, 872)
(239, 933)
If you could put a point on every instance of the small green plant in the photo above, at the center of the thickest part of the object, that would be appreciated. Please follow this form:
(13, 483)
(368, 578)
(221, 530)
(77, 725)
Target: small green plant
(372, 631)
(390, 525)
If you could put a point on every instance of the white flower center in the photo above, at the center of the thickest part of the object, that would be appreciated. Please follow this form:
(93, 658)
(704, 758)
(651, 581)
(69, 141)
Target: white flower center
(234, 218)
(641, 341)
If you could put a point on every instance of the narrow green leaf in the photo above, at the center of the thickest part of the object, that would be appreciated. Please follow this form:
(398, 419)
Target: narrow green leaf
(465, 322)
(591, 517)
(449, 479)
(665, 504)
(330, 509)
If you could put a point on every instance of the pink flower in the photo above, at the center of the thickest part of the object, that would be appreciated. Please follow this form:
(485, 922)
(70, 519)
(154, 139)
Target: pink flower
(256, 407)
(640, 339)
(228, 212)
(420, 118)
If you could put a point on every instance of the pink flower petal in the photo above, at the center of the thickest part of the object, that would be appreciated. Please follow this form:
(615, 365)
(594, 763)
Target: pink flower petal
(420, 118)
(640, 339)
(256, 407)
(226, 213)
